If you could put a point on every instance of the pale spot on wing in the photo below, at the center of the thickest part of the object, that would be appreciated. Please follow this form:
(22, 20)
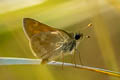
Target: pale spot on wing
(55, 32)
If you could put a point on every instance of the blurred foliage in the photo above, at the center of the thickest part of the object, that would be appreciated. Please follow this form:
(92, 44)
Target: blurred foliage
(101, 50)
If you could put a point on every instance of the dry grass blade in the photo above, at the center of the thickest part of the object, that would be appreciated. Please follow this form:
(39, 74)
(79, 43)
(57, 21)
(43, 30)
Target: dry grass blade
(18, 61)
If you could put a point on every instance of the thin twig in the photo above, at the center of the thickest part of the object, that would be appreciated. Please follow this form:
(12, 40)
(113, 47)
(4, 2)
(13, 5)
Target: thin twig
(19, 61)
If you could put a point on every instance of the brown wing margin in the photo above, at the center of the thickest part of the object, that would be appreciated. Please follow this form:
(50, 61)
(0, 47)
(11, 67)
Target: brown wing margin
(32, 27)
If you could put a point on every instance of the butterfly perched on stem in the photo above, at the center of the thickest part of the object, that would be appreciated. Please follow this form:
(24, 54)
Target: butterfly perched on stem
(48, 43)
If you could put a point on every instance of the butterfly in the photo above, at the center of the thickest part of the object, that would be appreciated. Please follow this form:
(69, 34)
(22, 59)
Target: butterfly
(48, 43)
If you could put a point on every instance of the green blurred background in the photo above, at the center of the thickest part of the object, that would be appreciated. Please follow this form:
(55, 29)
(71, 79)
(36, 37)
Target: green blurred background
(101, 50)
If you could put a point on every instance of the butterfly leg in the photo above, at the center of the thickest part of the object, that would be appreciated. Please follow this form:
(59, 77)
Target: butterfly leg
(63, 60)
(74, 56)
(76, 51)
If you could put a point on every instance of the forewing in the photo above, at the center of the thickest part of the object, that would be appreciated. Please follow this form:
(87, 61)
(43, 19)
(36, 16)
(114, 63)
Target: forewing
(32, 27)
(46, 42)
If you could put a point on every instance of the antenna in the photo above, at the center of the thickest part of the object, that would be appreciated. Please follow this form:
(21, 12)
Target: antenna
(88, 26)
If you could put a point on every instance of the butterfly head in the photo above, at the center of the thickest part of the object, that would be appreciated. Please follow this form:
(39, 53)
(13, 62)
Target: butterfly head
(78, 36)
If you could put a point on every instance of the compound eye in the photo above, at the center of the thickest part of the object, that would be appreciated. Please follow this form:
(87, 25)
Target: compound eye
(77, 36)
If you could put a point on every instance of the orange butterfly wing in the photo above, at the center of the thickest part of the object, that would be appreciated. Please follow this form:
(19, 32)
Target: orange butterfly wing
(32, 27)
